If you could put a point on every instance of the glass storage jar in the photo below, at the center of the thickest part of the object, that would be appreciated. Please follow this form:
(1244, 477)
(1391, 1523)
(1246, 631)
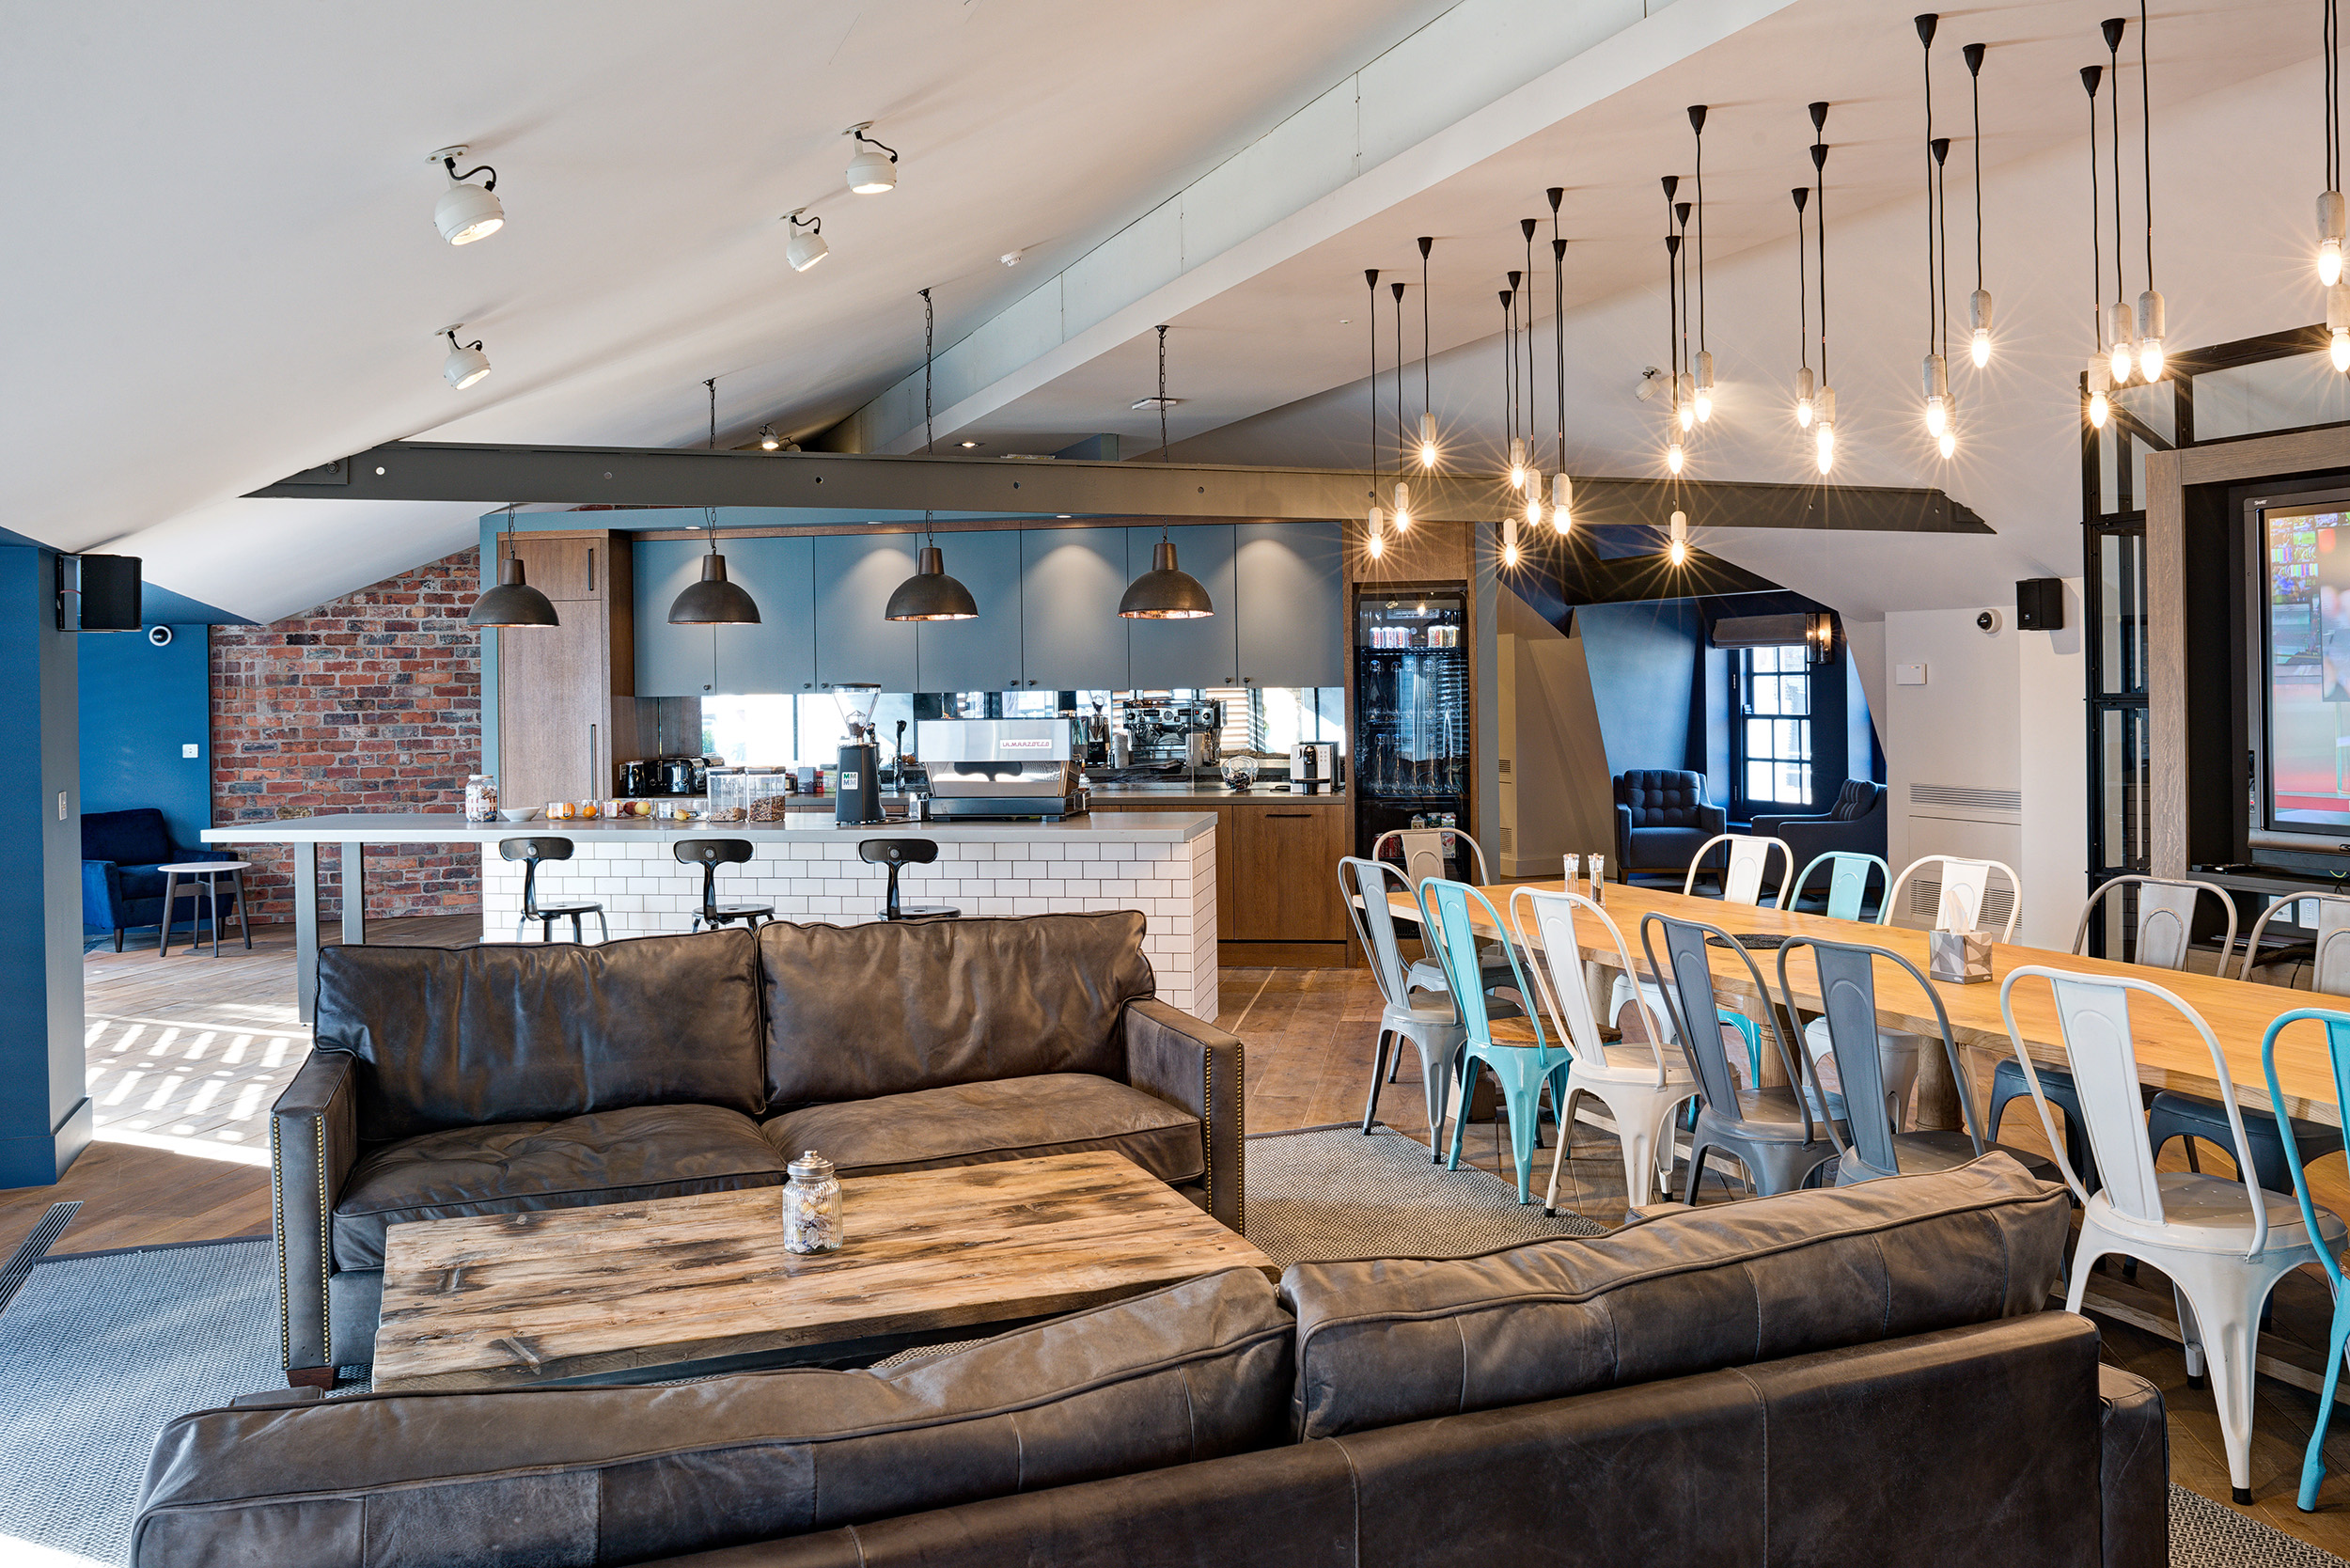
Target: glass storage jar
(811, 1205)
(749, 795)
(481, 797)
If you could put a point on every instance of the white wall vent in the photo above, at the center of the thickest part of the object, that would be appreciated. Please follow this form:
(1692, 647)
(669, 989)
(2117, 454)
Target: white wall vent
(1965, 798)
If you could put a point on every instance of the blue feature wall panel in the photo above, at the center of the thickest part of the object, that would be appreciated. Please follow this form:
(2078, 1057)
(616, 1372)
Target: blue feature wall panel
(140, 704)
(1645, 661)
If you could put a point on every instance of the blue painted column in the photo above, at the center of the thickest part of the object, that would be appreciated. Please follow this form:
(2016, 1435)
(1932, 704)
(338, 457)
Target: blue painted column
(44, 1113)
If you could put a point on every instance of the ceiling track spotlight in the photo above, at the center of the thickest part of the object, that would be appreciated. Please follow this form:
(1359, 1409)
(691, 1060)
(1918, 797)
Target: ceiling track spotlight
(466, 364)
(2150, 327)
(1167, 591)
(1702, 386)
(873, 168)
(513, 602)
(466, 212)
(1979, 302)
(806, 245)
(2097, 380)
(768, 440)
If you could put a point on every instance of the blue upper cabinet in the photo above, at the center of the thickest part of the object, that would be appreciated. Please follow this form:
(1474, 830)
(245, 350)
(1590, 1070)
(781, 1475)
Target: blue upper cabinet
(854, 575)
(671, 661)
(778, 654)
(1290, 617)
(1186, 653)
(1070, 635)
(982, 654)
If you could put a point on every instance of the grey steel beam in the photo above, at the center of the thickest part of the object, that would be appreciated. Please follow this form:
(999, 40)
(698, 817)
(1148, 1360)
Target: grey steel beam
(492, 476)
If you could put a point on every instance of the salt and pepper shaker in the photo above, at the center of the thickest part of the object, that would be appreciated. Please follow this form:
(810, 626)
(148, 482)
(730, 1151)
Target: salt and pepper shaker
(811, 1205)
(1598, 878)
(1574, 871)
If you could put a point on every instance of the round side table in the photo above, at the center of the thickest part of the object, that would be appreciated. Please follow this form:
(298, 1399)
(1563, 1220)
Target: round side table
(210, 874)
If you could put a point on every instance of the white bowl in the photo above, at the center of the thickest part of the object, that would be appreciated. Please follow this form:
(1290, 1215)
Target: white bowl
(518, 813)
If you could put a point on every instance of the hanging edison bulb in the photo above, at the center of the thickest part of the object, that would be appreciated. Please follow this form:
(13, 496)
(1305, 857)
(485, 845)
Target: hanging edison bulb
(1561, 503)
(1688, 401)
(1517, 462)
(1937, 381)
(1375, 534)
(1534, 502)
(1979, 310)
(2150, 325)
(1823, 429)
(1677, 539)
(1402, 507)
(1803, 398)
(1674, 456)
(1702, 400)
(1947, 442)
(2118, 334)
(1509, 540)
(1428, 441)
(2100, 386)
(2329, 235)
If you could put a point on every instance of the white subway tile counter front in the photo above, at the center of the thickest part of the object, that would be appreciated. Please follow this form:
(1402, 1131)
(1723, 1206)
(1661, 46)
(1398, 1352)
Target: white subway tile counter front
(1161, 863)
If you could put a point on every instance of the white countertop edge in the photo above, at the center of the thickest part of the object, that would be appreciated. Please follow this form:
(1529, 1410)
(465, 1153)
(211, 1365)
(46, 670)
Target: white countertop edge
(1129, 827)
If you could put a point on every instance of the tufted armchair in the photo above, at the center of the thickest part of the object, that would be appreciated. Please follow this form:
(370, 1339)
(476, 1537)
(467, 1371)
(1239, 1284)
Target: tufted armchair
(1661, 819)
(121, 886)
(1855, 824)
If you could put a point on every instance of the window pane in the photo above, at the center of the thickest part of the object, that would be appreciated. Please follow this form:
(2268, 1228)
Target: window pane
(1795, 783)
(1794, 693)
(1766, 659)
(1759, 781)
(1758, 737)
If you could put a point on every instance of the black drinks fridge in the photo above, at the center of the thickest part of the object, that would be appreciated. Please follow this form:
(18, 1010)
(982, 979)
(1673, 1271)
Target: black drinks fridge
(1412, 744)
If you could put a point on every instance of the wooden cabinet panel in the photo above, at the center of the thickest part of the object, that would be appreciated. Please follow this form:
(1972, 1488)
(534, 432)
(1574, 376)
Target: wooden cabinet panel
(671, 661)
(855, 574)
(1186, 654)
(553, 710)
(1284, 874)
(1071, 581)
(778, 654)
(982, 654)
(1289, 612)
(564, 566)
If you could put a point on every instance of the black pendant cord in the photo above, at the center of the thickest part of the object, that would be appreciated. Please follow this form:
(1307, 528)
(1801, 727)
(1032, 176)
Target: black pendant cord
(2332, 31)
(1371, 276)
(1165, 455)
(2113, 48)
(1819, 163)
(1528, 225)
(1689, 360)
(1518, 307)
(2146, 129)
(1801, 194)
(1426, 401)
(1672, 331)
(1697, 120)
(1974, 70)
(2091, 75)
(929, 433)
(1558, 317)
(1942, 243)
(1509, 366)
(1925, 34)
(1398, 288)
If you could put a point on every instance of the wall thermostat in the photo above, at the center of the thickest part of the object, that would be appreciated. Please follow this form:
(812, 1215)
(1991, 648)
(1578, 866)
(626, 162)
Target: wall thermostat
(1988, 623)
(158, 635)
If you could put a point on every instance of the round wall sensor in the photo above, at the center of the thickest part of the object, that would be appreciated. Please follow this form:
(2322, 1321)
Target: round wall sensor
(1988, 623)
(158, 635)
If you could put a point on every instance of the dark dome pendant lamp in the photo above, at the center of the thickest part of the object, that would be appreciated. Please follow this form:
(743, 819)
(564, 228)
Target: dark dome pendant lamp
(512, 602)
(930, 594)
(713, 601)
(1165, 592)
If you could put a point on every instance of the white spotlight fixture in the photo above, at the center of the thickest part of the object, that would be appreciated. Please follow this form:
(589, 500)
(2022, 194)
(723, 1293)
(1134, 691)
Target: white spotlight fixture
(466, 212)
(1937, 378)
(768, 440)
(1517, 462)
(1561, 502)
(806, 245)
(1674, 456)
(1509, 541)
(1677, 539)
(1702, 400)
(465, 364)
(1803, 398)
(1650, 380)
(1012, 259)
(1428, 441)
(2338, 324)
(2149, 335)
(1402, 507)
(873, 168)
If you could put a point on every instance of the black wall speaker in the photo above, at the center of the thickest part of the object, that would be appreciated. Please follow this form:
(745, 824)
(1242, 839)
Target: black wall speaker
(2039, 605)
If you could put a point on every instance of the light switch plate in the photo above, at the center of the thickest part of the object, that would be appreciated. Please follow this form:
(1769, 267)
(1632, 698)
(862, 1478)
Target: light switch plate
(1909, 675)
(189, 748)
(61, 811)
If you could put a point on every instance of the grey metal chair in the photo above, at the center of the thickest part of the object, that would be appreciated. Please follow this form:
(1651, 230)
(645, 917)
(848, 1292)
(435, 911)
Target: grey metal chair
(1872, 1146)
(897, 853)
(530, 852)
(711, 854)
(1772, 1132)
(1434, 1030)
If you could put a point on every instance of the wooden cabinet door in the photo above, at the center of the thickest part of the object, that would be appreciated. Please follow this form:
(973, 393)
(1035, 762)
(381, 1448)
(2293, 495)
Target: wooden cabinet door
(1169, 654)
(1283, 874)
(1071, 581)
(855, 574)
(1289, 609)
(562, 568)
(555, 709)
(983, 654)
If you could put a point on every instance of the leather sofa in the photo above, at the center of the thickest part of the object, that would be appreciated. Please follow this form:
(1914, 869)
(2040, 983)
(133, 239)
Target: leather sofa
(1661, 819)
(122, 881)
(1856, 825)
(1866, 1374)
(497, 1078)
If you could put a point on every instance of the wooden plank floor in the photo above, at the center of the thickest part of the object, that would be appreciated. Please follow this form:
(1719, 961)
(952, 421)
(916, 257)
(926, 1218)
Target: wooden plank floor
(1309, 1034)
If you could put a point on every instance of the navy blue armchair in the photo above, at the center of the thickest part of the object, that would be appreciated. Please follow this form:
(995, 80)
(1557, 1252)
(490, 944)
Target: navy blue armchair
(1856, 826)
(121, 886)
(1661, 819)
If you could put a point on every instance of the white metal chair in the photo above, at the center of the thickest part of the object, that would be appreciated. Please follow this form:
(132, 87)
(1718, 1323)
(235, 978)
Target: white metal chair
(1965, 885)
(1424, 854)
(2329, 963)
(1638, 1083)
(1435, 1030)
(1741, 877)
(2224, 1243)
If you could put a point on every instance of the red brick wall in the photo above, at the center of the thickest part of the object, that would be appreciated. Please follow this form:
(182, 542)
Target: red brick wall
(372, 703)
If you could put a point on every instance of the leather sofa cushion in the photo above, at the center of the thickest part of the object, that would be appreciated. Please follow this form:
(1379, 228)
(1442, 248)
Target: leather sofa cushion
(1726, 1285)
(1013, 1119)
(618, 1157)
(594, 1475)
(462, 1036)
(856, 1011)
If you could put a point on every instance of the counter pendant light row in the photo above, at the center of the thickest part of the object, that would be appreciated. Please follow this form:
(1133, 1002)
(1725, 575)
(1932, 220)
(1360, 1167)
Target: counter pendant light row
(2116, 355)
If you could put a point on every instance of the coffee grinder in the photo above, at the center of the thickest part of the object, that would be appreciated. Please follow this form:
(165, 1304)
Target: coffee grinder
(858, 800)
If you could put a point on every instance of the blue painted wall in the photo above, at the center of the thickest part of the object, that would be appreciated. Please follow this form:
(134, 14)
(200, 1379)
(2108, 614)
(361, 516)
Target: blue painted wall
(1645, 663)
(139, 705)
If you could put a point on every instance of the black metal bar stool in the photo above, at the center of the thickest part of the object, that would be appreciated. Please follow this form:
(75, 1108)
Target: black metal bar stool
(530, 852)
(897, 852)
(711, 854)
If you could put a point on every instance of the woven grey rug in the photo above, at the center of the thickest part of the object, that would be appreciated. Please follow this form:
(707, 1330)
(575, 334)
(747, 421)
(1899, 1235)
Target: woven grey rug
(2206, 1535)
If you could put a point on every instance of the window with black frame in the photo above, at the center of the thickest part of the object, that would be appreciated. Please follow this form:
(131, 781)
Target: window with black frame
(1773, 732)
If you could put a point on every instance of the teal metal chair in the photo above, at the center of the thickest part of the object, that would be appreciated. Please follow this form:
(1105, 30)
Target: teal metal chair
(2338, 1050)
(1847, 881)
(1523, 1071)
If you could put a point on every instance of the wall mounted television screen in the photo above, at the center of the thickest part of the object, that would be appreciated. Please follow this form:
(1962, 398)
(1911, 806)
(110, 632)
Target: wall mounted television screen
(2305, 626)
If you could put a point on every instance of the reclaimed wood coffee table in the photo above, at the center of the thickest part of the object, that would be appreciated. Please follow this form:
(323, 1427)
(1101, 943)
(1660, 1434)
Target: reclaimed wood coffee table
(677, 1286)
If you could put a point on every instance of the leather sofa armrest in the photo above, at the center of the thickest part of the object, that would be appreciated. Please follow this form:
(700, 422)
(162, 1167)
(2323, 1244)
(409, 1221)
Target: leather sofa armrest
(102, 893)
(1202, 1069)
(313, 1142)
(1713, 819)
(2134, 1471)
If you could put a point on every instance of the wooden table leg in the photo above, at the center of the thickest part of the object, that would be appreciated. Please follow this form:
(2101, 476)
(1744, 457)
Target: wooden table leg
(306, 890)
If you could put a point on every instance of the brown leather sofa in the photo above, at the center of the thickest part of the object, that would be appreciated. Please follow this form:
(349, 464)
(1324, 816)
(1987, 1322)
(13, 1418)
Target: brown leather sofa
(497, 1078)
(1867, 1375)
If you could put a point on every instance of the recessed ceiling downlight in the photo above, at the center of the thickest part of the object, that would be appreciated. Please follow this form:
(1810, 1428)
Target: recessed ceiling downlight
(466, 212)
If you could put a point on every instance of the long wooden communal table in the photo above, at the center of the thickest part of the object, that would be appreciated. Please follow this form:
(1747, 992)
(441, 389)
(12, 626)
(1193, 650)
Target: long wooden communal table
(2171, 1055)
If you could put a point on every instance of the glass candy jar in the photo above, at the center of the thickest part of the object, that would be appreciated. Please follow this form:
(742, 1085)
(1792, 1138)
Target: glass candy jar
(481, 798)
(811, 1205)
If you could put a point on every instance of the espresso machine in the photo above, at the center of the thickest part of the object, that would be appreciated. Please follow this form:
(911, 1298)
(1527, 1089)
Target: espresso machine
(859, 800)
(1001, 768)
(1163, 729)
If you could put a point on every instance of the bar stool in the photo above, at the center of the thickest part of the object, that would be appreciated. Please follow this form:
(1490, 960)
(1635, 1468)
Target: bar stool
(896, 853)
(530, 852)
(711, 854)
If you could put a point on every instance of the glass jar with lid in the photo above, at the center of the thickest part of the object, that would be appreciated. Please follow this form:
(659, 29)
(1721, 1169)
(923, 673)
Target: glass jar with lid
(811, 1205)
(481, 797)
(754, 795)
